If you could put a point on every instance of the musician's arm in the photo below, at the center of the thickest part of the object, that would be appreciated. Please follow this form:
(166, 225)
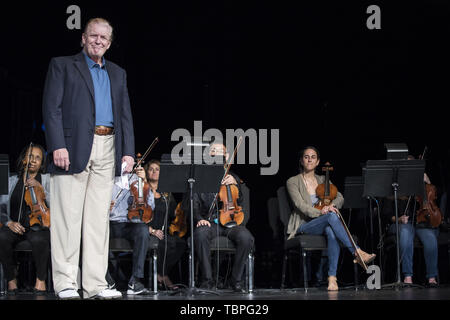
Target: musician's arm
(297, 199)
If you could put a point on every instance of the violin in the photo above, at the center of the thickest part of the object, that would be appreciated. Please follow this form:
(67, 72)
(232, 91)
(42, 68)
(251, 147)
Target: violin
(231, 214)
(35, 200)
(429, 212)
(326, 192)
(140, 210)
(40, 214)
(178, 226)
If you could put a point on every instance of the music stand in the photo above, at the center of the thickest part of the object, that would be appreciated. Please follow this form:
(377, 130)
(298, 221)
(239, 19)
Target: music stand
(384, 178)
(195, 176)
(4, 174)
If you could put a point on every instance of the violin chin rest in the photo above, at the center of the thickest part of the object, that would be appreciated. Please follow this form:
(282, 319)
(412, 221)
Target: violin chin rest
(230, 224)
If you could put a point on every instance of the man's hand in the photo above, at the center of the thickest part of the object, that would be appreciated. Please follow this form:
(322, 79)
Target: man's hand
(61, 158)
(140, 172)
(130, 162)
(203, 223)
(111, 206)
(157, 233)
(229, 179)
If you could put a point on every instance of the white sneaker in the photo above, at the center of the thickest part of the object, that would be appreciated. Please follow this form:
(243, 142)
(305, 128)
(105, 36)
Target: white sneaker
(68, 294)
(108, 294)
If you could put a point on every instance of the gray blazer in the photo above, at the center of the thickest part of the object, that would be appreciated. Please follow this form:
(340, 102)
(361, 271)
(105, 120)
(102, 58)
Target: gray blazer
(4, 199)
(303, 207)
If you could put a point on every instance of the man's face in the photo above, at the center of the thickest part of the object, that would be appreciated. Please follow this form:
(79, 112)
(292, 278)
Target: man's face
(218, 150)
(97, 40)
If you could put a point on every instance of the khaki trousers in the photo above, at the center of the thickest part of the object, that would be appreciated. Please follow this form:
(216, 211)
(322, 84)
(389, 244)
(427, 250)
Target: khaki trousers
(80, 218)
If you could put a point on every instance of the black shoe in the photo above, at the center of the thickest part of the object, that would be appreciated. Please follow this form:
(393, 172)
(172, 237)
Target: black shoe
(237, 287)
(135, 287)
(432, 285)
(13, 292)
(207, 284)
(39, 292)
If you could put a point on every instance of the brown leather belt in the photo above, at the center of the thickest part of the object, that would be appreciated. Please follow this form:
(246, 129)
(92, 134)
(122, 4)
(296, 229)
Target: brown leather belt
(103, 131)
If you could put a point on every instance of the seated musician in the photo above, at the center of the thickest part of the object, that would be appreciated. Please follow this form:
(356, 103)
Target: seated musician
(170, 247)
(15, 218)
(206, 227)
(408, 229)
(137, 233)
(305, 219)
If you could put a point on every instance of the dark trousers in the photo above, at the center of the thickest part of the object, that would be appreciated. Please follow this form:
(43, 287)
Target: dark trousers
(40, 246)
(167, 258)
(241, 237)
(139, 236)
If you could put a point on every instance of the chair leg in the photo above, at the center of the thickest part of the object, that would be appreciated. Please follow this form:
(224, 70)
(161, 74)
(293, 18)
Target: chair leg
(283, 272)
(250, 268)
(356, 276)
(2, 281)
(155, 272)
(305, 273)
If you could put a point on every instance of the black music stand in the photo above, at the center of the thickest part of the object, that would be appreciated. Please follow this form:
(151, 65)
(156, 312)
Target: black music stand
(4, 173)
(4, 182)
(198, 177)
(353, 193)
(384, 178)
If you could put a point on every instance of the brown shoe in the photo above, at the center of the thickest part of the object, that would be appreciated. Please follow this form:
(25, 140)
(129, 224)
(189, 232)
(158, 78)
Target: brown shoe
(332, 283)
(367, 258)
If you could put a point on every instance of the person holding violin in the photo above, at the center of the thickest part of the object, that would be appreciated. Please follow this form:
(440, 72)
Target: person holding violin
(207, 226)
(135, 231)
(410, 225)
(15, 217)
(171, 245)
(307, 219)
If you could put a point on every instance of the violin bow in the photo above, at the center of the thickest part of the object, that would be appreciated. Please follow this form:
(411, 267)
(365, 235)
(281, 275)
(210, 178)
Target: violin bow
(149, 149)
(351, 239)
(26, 175)
(227, 168)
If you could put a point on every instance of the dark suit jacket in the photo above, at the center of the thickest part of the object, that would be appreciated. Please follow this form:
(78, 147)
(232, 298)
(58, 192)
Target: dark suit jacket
(69, 112)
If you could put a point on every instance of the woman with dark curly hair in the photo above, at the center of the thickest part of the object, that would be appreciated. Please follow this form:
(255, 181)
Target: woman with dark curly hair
(15, 218)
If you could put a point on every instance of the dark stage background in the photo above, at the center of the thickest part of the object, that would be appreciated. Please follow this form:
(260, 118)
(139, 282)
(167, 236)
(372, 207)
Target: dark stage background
(312, 70)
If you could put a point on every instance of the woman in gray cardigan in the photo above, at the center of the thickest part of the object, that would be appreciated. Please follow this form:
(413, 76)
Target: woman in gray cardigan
(14, 216)
(308, 220)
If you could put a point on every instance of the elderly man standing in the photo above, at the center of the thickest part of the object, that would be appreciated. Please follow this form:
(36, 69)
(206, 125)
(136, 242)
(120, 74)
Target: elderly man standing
(89, 135)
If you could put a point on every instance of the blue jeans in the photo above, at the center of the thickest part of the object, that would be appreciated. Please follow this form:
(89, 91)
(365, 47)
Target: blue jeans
(428, 237)
(330, 225)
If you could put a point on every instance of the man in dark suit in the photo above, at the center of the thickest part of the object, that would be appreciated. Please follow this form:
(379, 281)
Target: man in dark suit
(90, 139)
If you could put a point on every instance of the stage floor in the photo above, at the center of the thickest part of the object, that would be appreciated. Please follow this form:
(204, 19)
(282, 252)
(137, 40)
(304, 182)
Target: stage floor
(407, 293)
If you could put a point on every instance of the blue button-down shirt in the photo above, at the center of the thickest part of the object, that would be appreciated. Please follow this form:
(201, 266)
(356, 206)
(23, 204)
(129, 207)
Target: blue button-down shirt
(119, 213)
(102, 93)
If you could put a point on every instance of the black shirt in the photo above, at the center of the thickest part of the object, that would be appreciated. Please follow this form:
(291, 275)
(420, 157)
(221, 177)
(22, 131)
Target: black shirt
(159, 213)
